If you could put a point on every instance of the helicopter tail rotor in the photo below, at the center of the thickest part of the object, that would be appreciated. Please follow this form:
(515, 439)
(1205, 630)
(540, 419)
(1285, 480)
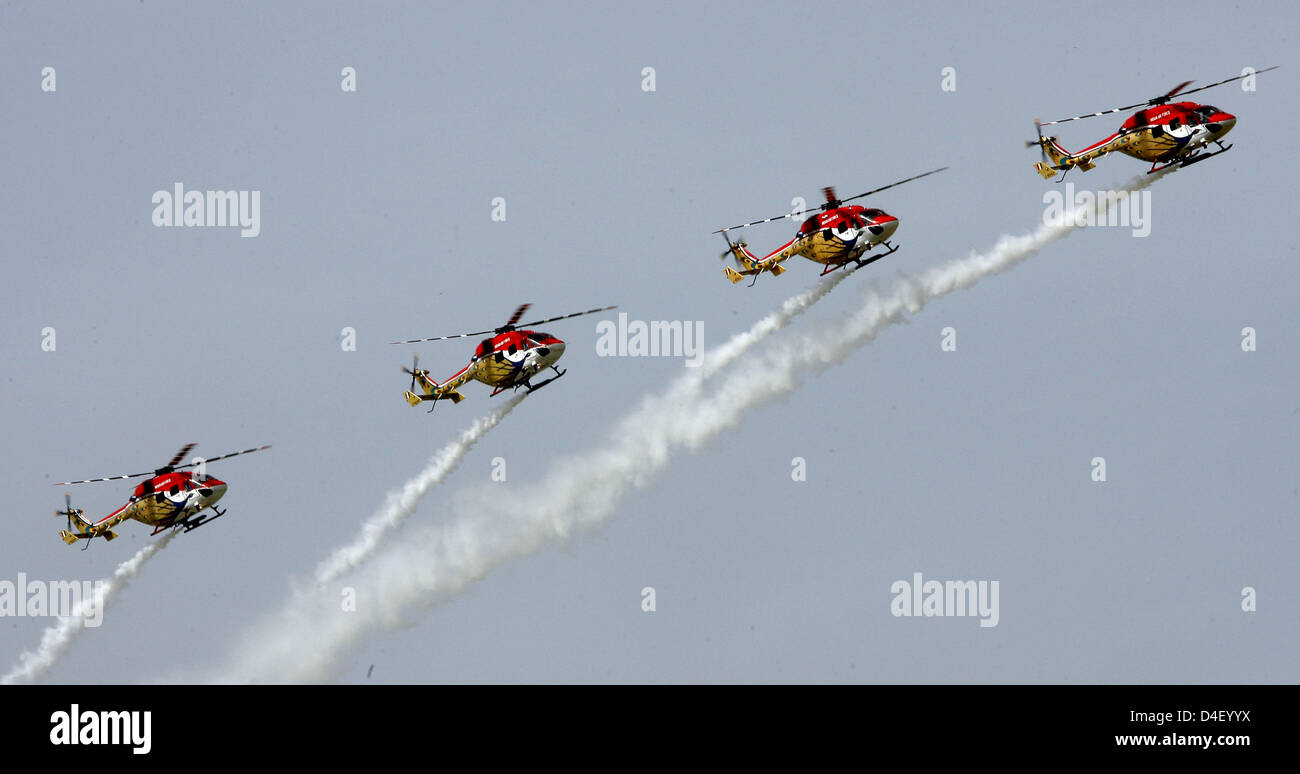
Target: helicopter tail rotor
(415, 371)
(429, 386)
(1042, 142)
(69, 511)
(736, 252)
(83, 527)
(1051, 153)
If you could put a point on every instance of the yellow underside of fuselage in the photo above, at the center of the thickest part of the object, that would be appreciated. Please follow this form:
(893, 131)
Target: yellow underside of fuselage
(821, 249)
(488, 370)
(493, 372)
(1143, 144)
(146, 511)
(151, 512)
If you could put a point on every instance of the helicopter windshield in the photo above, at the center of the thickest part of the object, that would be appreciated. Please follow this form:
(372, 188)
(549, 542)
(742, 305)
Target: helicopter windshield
(1205, 112)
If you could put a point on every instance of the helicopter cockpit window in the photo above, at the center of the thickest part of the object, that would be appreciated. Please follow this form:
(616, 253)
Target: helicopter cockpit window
(484, 347)
(873, 213)
(174, 489)
(539, 337)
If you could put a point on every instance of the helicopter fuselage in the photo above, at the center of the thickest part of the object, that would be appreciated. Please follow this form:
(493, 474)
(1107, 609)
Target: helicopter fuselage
(838, 235)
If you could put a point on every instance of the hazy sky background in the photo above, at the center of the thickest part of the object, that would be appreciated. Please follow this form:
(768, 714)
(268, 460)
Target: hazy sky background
(375, 214)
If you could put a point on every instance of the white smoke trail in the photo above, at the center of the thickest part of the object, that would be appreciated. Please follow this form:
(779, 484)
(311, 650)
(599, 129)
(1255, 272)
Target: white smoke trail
(725, 354)
(402, 503)
(57, 638)
(306, 642)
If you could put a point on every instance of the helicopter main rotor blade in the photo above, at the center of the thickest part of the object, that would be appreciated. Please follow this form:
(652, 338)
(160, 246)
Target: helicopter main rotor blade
(766, 220)
(180, 455)
(444, 338)
(1175, 90)
(829, 201)
(107, 478)
(153, 472)
(1094, 115)
(225, 456)
(566, 316)
(507, 327)
(1159, 100)
(1229, 80)
(514, 318)
(891, 185)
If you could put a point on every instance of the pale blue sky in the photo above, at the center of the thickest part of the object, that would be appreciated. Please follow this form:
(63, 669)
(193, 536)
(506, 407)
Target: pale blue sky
(375, 214)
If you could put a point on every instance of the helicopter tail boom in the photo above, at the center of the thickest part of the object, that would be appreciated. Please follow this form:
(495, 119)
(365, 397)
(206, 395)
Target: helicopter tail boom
(750, 265)
(1063, 160)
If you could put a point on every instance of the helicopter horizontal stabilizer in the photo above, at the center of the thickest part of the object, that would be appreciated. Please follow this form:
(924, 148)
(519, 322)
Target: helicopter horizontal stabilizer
(415, 400)
(109, 535)
(777, 270)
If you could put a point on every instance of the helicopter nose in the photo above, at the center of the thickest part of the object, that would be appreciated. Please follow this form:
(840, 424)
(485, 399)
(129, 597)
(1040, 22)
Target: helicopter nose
(884, 227)
(212, 491)
(551, 352)
(1222, 124)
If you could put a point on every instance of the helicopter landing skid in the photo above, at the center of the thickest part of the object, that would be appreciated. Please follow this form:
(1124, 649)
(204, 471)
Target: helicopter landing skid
(540, 385)
(191, 524)
(1191, 160)
(861, 261)
(1202, 157)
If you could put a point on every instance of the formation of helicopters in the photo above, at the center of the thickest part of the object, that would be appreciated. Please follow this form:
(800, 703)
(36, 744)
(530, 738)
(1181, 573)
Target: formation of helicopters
(1161, 132)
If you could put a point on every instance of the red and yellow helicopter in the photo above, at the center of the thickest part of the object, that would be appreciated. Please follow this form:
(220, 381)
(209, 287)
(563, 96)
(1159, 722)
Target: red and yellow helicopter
(835, 237)
(172, 497)
(1161, 132)
(508, 359)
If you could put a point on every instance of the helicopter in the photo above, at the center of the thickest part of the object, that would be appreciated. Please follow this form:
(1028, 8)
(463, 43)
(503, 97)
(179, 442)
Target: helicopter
(1161, 132)
(508, 359)
(172, 498)
(835, 237)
